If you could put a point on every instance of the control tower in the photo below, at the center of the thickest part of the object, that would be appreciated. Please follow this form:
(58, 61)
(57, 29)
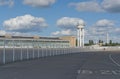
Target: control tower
(80, 34)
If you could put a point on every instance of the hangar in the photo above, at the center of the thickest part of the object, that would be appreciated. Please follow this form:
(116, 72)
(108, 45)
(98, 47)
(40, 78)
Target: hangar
(37, 41)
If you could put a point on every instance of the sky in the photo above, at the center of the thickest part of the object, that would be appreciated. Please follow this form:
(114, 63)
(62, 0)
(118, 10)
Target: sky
(60, 18)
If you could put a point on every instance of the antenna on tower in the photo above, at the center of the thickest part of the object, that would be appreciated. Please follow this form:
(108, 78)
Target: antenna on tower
(107, 38)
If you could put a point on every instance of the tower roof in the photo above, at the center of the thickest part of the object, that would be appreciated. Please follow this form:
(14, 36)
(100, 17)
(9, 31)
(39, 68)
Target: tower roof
(80, 24)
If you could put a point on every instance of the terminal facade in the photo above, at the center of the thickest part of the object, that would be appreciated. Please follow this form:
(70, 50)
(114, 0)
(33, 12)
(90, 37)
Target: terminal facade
(37, 42)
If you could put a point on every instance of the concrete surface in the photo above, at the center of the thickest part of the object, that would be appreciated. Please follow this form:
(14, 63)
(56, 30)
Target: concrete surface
(84, 65)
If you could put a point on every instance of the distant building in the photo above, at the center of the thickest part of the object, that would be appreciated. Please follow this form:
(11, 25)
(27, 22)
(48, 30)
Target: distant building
(37, 42)
(71, 39)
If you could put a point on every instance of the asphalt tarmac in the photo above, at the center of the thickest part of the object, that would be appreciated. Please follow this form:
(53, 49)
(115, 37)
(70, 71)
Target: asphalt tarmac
(89, 65)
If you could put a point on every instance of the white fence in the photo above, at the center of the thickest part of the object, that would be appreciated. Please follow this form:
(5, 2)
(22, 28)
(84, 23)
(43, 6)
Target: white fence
(9, 55)
(14, 54)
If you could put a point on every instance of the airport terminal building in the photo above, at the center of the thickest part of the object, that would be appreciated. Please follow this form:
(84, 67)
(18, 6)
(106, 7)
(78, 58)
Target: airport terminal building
(37, 42)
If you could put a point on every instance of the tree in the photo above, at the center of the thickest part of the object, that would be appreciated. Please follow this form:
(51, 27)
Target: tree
(100, 41)
(110, 42)
(91, 42)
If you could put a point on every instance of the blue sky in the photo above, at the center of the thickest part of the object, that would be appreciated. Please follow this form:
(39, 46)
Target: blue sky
(41, 17)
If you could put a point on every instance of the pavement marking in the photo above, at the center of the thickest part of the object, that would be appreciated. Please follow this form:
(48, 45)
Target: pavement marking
(79, 71)
(106, 72)
(115, 72)
(100, 72)
(87, 72)
(110, 56)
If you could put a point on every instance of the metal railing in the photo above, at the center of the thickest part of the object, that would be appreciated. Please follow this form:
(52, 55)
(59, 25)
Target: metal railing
(14, 54)
(18, 51)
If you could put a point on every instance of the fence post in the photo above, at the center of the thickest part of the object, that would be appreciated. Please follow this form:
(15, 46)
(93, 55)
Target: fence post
(62, 48)
(38, 50)
(27, 51)
(21, 57)
(33, 49)
(56, 48)
(41, 51)
(4, 51)
(46, 49)
(43, 45)
(51, 51)
(65, 51)
(13, 51)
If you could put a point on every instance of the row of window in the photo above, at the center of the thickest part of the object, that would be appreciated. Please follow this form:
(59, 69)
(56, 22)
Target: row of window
(35, 43)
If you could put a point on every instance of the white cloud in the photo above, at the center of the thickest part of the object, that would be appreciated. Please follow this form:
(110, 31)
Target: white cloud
(102, 27)
(115, 39)
(63, 33)
(2, 32)
(97, 31)
(117, 31)
(69, 23)
(19, 34)
(111, 5)
(104, 23)
(6, 2)
(91, 6)
(39, 3)
(26, 23)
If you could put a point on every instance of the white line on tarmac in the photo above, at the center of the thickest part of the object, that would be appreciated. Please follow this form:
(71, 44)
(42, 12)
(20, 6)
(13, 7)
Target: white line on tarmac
(79, 71)
(110, 56)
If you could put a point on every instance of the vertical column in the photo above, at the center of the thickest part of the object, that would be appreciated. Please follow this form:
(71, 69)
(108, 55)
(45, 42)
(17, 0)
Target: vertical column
(80, 37)
(13, 50)
(38, 49)
(50, 48)
(33, 48)
(83, 37)
(21, 57)
(42, 48)
(4, 51)
(27, 50)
